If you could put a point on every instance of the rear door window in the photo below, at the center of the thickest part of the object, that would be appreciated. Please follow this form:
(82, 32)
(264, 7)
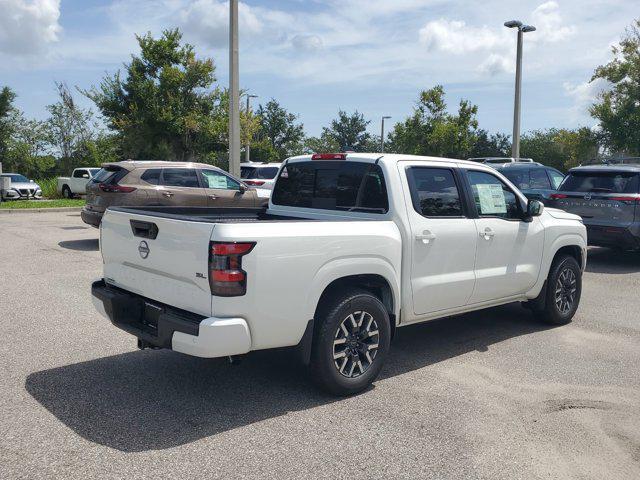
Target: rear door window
(180, 177)
(601, 182)
(434, 192)
(539, 179)
(332, 185)
(79, 173)
(152, 176)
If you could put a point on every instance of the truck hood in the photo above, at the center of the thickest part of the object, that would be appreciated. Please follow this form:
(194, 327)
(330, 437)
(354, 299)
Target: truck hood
(562, 215)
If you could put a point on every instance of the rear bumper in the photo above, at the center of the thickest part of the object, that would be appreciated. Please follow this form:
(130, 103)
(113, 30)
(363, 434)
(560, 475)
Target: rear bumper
(163, 326)
(611, 236)
(90, 217)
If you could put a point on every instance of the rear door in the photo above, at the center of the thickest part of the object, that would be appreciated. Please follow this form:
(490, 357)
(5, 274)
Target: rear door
(443, 237)
(223, 191)
(181, 187)
(79, 180)
(159, 258)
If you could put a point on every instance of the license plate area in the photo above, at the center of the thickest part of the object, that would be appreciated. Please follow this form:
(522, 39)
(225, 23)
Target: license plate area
(150, 315)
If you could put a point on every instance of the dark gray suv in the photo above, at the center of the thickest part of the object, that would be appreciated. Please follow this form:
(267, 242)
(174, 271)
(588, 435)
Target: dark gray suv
(607, 197)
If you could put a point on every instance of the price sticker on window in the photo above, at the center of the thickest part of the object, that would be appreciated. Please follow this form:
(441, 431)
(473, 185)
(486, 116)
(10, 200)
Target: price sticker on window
(492, 199)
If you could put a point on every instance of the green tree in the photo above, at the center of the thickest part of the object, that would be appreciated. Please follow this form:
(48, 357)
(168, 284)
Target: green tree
(73, 130)
(7, 110)
(431, 130)
(490, 145)
(279, 135)
(618, 109)
(29, 148)
(347, 132)
(560, 148)
(166, 106)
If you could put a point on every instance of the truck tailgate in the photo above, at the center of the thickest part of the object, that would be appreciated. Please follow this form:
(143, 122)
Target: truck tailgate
(165, 260)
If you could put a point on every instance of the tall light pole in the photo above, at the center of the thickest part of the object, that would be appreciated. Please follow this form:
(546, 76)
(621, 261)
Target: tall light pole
(522, 29)
(246, 152)
(234, 92)
(382, 133)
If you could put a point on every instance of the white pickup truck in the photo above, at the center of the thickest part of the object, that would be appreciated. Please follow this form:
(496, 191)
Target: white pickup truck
(76, 184)
(350, 248)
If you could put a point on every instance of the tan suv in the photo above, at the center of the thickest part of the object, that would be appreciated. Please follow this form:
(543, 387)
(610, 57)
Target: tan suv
(161, 183)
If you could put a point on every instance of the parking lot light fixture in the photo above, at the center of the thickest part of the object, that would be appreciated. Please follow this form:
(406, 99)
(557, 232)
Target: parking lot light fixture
(522, 29)
(382, 133)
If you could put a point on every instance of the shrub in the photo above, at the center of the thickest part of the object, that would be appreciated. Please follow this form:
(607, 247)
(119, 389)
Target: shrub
(49, 187)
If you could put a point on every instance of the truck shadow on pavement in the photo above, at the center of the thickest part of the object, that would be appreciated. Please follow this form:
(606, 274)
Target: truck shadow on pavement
(606, 260)
(153, 399)
(84, 245)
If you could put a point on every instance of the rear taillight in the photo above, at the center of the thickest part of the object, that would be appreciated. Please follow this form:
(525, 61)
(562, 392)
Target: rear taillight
(255, 183)
(625, 199)
(557, 196)
(105, 187)
(226, 277)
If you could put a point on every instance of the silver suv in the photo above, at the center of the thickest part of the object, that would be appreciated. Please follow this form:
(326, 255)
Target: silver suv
(607, 197)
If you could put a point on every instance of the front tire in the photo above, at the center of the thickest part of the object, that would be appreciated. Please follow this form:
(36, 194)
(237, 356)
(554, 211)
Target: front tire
(66, 192)
(562, 295)
(350, 343)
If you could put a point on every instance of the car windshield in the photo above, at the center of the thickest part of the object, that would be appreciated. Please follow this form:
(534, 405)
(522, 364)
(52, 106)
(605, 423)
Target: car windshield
(603, 182)
(16, 178)
(262, 173)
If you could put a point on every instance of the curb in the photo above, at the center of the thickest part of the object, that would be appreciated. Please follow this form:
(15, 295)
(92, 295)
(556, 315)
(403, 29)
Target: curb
(40, 210)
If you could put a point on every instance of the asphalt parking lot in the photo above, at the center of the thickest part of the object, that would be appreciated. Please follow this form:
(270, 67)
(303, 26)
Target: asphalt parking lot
(490, 395)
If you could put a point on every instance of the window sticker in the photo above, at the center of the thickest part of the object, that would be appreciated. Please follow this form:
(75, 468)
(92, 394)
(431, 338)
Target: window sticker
(216, 181)
(492, 199)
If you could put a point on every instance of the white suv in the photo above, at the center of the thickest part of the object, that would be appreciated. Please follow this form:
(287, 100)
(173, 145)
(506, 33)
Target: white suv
(262, 176)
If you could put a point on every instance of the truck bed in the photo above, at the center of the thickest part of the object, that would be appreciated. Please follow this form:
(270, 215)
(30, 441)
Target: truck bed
(213, 215)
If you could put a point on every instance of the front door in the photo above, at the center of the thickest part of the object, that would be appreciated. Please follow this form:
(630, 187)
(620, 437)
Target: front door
(224, 191)
(509, 250)
(181, 187)
(443, 238)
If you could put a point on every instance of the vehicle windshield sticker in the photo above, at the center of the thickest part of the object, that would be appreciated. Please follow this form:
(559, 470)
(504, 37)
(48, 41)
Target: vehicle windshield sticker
(491, 199)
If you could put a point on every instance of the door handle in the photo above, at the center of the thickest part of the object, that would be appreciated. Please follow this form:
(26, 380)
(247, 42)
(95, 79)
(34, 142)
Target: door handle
(425, 236)
(167, 194)
(213, 197)
(487, 234)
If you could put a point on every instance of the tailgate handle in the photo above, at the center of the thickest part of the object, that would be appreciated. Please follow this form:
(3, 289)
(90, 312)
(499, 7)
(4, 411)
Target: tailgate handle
(144, 229)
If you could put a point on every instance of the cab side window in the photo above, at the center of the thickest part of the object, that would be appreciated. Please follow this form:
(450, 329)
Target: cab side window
(80, 173)
(218, 180)
(434, 192)
(152, 176)
(492, 197)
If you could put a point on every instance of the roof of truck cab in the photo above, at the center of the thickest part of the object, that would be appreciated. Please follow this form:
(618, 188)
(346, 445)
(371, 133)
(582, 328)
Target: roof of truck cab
(389, 158)
(133, 164)
(607, 168)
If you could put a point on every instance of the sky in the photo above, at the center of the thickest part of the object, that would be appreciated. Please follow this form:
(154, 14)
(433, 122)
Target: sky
(318, 56)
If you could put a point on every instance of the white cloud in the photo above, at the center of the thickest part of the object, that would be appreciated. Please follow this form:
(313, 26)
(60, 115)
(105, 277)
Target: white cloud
(496, 63)
(584, 94)
(27, 27)
(551, 27)
(307, 43)
(455, 36)
(209, 21)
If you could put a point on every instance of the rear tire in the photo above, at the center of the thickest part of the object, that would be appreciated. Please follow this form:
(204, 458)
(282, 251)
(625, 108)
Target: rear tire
(562, 295)
(66, 192)
(350, 343)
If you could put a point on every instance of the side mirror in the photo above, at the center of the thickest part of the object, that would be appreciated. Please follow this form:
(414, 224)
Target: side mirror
(242, 188)
(534, 208)
(31, 181)
(86, 175)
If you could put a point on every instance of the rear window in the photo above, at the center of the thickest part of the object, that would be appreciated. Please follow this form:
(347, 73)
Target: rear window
(152, 176)
(260, 173)
(518, 176)
(109, 175)
(332, 185)
(603, 182)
